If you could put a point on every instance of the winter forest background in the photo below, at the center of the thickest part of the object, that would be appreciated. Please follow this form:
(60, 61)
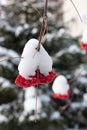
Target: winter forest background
(19, 22)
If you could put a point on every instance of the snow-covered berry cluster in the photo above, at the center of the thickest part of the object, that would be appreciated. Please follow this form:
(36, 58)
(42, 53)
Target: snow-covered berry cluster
(61, 88)
(35, 67)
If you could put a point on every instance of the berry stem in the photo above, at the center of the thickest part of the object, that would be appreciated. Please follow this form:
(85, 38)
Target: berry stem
(36, 103)
(44, 25)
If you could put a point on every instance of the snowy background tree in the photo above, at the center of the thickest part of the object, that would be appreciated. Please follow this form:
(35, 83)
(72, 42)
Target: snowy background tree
(19, 22)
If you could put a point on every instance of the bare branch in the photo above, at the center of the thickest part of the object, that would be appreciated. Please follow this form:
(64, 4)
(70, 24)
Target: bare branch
(44, 25)
(11, 58)
(76, 10)
(37, 10)
(36, 95)
(75, 77)
(36, 103)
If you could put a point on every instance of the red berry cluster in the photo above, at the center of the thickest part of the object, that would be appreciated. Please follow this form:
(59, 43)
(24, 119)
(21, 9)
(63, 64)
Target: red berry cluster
(60, 96)
(39, 78)
(83, 45)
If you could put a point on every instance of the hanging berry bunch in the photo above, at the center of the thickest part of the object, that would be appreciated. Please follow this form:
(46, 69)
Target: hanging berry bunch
(61, 88)
(36, 65)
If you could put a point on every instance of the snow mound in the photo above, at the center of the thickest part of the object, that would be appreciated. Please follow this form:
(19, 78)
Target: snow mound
(33, 58)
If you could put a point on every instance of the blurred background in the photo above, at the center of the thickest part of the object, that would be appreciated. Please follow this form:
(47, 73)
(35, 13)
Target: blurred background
(19, 22)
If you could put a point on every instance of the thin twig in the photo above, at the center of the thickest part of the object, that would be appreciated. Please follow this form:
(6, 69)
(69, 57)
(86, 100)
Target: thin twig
(44, 25)
(76, 10)
(75, 77)
(11, 58)
(37, 10)
(65, 106)
(45, 7)
(36, 103)
(37, 73)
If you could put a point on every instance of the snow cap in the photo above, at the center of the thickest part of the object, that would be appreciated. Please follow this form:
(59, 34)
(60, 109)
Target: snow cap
(61, 87)
(33, 58)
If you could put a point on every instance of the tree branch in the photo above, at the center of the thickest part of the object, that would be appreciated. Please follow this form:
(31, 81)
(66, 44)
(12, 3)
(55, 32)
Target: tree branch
(44, 25)
(76, 10)
(11, 58)
(75, 77)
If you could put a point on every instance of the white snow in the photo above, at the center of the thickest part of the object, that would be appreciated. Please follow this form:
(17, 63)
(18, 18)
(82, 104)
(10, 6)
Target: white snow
(43, 115)
(72, 49)
(26, 26)
(85, 97)
(34, 59)
(60, 53)
(45, 98)
(8, 52)
(4, 112)
(76, 105)
(3, 15)
(2, 39)
(29, 92)
(18, 30)
(76, 91)
(10, 28)
(63, 32)
(55, 115)
(34, 30)
(29, 104)
(84, 17)
(49, 36)
(3, 2)
(60, 85)
(5, 63)
(32, 117)
(3, 118)
(30, 100)
(14, 29)
(4, 24)
(4, 106)
(25, 3)
(81, 104)
(83, 80)
(3, 51)
(4, 82)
